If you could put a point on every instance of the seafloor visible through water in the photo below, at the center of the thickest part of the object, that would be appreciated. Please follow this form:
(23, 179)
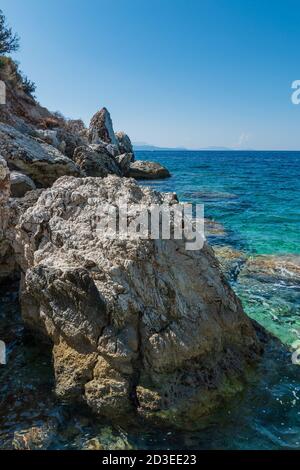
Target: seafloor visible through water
(252, 203)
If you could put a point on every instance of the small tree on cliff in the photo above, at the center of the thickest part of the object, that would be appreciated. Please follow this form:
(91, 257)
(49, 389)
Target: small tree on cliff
(9, 41)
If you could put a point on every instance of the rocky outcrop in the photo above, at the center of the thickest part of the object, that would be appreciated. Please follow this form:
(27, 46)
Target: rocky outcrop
(20, 184)
(96, 163)
(137, 326)
(147, 170)
(124, 143)
(42, 162)
(101, 128)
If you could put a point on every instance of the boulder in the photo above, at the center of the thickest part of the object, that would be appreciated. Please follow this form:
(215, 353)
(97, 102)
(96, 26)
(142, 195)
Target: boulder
(101, 128)
(138, 326)
(38, 160)
(20, 184)
(93, 163)
(124, 142)
(143, 170)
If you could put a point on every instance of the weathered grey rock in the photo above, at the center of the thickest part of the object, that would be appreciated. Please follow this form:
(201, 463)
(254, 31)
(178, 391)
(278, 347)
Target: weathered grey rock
(93, 163)
(49, 136)
(70, 141)
(20, 184)
(101, 128)
(38, 160)
(113, 149)
(147, 170)
(138, 326)
(124, 142)
(124, 161)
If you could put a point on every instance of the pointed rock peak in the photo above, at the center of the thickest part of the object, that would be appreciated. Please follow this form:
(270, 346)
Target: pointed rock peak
(101, 128)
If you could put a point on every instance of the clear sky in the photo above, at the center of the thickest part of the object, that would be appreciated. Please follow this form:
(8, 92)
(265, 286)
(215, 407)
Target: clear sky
(191, 73)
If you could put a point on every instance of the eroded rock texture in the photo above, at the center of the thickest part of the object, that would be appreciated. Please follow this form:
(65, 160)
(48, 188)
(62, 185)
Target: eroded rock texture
(98, 162)
(137, 326)
(42, 162)
(101, 128)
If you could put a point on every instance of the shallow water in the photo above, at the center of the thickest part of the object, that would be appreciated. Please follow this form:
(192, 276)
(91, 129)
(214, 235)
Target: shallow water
(240, 191)
(256, 197)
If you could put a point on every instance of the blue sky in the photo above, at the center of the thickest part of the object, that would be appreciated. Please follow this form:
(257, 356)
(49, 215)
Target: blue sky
(191, 73)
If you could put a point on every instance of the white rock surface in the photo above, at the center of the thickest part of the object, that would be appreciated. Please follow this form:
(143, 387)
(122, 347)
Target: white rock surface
(138, 326)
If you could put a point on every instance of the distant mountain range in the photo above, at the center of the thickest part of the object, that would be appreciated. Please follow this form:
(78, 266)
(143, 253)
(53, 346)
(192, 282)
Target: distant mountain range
(149, 147)
(144, 146)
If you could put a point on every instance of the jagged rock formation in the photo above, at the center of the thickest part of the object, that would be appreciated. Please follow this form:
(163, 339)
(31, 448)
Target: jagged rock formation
(138, 326)
(101, 128)
(42, 162)
(147, 170)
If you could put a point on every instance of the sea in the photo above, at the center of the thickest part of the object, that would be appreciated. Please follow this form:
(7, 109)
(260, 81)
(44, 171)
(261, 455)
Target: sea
(252, 207)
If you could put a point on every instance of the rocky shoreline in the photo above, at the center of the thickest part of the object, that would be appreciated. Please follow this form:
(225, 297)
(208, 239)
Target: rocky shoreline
(137, 328)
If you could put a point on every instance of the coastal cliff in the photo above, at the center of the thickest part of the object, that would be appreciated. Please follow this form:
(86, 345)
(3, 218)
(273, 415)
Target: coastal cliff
(137, 327)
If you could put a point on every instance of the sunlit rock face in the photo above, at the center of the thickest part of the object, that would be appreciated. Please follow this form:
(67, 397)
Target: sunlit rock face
(101, 128)
(42, 162)
(137, 326)
(141, 170)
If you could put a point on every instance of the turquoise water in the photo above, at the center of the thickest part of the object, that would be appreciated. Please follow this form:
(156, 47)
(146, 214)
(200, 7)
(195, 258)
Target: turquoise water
(256, 195)
(254, 198)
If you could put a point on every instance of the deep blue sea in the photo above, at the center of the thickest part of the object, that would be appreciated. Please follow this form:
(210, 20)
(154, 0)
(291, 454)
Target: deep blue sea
(252, 200)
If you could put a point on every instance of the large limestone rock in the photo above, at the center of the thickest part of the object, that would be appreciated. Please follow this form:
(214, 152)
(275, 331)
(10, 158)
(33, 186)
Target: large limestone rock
(40, 161)
(141, 170)
(101, 128)
(138, 326)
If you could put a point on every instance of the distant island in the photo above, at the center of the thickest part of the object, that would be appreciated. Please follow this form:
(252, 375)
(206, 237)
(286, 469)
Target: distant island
(149, 147)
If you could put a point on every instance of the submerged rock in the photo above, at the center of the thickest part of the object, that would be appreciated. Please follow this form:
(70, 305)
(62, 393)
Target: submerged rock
(147, 170)
(42, 162)
(20, 184)
(35, 438)
(231, 260)
(272, 268)
(138, 326)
